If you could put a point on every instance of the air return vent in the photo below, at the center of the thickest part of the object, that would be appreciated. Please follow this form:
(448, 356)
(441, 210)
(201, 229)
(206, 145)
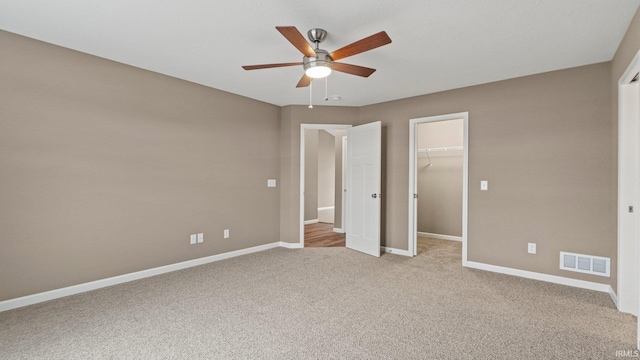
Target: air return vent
(587, 264)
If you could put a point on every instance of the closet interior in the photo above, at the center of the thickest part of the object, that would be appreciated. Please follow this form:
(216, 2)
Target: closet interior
(440, 179)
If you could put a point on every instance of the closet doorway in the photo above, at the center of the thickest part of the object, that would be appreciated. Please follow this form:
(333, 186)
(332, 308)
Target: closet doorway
(438, 184)
(322, 204)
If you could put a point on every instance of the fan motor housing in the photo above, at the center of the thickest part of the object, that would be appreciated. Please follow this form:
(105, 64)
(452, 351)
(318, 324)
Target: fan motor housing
(322, 59)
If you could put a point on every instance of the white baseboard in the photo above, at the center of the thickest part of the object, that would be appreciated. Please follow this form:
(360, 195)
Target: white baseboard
(312, 221)
(440, 236)
(336, 230)
(614, 297)
(93, 285)
(544, 277)
(290, 245)
(390, 250)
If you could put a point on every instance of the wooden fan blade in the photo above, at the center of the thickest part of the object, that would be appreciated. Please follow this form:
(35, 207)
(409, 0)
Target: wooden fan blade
(267, 66)
(360, 46)
(304, 81)
(293, 35)
(353, 69)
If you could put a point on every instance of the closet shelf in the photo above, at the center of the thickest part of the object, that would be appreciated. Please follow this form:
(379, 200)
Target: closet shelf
(448, 148)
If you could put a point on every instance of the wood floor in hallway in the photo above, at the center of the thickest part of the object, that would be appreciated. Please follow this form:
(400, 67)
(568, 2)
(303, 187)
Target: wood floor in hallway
(322, 235)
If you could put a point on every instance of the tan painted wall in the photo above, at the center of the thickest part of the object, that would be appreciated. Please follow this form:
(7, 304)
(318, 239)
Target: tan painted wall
(326, 169)
(319, 172)
(628, 48)
(311, 174)
(544, 144)
(440, 184)
(107, 169)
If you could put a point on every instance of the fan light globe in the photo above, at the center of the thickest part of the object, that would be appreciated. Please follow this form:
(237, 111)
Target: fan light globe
(318, 72)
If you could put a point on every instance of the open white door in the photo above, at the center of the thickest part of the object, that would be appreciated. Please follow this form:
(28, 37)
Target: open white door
(363, 188)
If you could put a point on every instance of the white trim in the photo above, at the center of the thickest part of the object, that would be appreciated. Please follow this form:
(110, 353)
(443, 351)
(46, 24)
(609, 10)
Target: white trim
(628, 168)
(440, 236)
(613, 295)
(344, 184)
(390, 250)
(98, 284)
(413, 181)
(290, 245)
(309, 222)
(337, 230)
(326, 208)
(542, 277)
(304, 127)
(628, 299)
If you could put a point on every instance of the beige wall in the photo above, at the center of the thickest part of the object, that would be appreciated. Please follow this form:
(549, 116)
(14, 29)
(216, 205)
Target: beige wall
(107, 169)
(440, 184)
(544, 144)
(319, 172)
(311, 174)
(326, 169)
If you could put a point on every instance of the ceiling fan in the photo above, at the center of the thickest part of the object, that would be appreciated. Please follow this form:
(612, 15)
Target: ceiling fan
(317, 62)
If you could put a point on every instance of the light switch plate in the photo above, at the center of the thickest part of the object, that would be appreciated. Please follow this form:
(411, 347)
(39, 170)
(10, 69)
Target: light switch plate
(226, 233)
(193, 239)
(531, 248)
(484, 185)
(200, 237)
(271, 183)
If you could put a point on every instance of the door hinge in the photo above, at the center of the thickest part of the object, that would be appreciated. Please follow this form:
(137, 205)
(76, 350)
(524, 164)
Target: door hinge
(415, 196)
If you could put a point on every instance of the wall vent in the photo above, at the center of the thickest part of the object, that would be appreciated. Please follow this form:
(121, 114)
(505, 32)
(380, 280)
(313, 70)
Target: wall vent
(588, 264)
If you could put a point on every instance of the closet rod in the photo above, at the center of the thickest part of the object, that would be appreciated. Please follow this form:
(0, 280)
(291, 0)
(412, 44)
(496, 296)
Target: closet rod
(449, 148)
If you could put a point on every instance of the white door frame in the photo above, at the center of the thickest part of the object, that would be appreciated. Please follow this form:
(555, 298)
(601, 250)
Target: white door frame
(413, 184)
(304, 127)
(344, 184)
(628, 186)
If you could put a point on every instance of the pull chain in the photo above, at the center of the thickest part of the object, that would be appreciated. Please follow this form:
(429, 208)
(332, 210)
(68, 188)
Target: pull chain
(326, 87)
(310, 94)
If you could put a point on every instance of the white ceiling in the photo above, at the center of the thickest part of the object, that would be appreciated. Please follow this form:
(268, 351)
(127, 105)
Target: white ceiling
(437, 44)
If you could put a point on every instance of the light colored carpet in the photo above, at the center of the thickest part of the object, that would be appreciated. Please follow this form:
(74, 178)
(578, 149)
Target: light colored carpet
(324, 303)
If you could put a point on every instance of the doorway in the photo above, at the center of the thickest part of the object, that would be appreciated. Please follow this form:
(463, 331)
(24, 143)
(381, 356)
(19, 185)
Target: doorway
(322, 204)
(422, 157)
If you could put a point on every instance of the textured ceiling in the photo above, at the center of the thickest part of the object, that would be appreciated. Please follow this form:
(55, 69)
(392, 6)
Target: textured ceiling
(437, 44)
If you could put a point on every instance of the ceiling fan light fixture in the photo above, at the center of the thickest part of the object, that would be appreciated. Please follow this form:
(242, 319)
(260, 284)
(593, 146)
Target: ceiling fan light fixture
(318, 67)
(318, 71)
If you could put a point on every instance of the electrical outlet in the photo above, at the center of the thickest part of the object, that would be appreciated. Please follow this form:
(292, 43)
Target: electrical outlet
(200, 237)
(226, 233)
(531, 248)
(194, 239)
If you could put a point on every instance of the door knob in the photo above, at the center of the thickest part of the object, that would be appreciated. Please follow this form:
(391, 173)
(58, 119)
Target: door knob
(375, 196)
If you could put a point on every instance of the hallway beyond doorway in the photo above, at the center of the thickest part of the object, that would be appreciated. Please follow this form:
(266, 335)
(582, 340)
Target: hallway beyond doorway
(322, 235)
